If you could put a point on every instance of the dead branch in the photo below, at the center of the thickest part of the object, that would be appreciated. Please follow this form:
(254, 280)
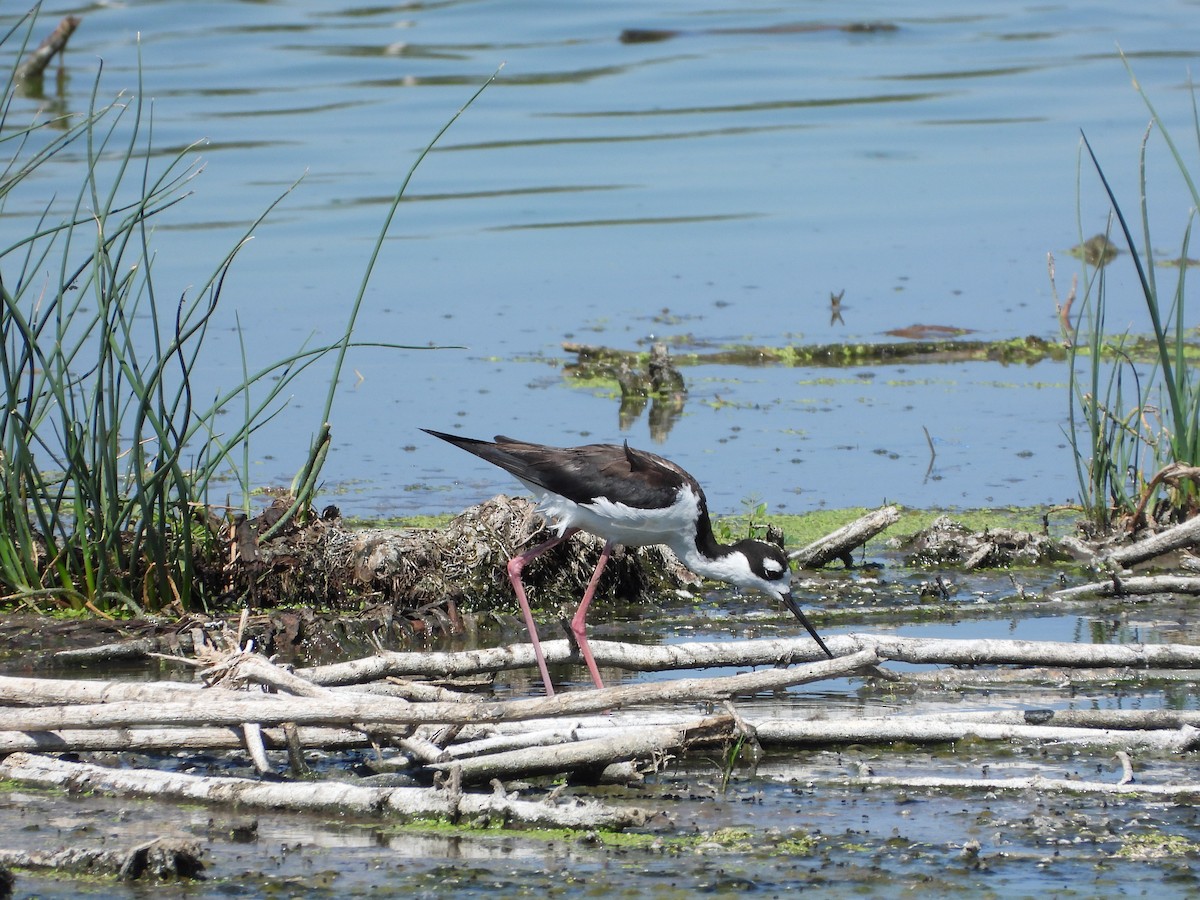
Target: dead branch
(1052, 677)
(324, 797)
(1132, 585)
(80, 740)
(1186, 534)
(960, 652)
(937, 729)
(35, 63)
(764, 652)
(17, 690)
(1125, 719)
(593, 754)
(1034, 783)
(842, 543)
(348, 708)
(636, 657)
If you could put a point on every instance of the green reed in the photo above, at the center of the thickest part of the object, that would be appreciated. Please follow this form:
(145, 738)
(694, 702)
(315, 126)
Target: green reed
(1127, 428)
(108, 445)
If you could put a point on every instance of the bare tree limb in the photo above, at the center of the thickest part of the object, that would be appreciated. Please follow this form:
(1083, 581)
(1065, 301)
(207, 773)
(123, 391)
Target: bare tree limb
(348, 708)
(1037, 783)
(1186, 534)
(596, 753)
(1132, 585)
(842, 543)
(35, 64)
(322, 796)
(921, 729)
(764, 652)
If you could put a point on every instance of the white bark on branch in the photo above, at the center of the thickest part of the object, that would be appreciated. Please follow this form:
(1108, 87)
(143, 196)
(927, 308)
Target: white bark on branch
(841, 544)
(80, 740)
(325, 797)
(1036, 783)
(1131, 586)
(1056, 678)
(17, 690)
(595, 753)
(349, 708)
(764, 652)
(920, 729)
(1186, 534)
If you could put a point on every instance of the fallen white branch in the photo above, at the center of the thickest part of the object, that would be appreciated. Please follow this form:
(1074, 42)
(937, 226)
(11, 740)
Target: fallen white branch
(1036, 783)
(324, 796)
(841, 544)
(936, 729)
(1131, 586)
(763, 652)
(80, 740)
(963, 652)
(350, 708)
(1186, 534)
(1052, 678)
(594, 754)
(14, 690)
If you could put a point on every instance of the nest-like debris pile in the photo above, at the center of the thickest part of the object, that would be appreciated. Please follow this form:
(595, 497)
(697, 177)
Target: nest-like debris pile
(947, 542)
(466, 561)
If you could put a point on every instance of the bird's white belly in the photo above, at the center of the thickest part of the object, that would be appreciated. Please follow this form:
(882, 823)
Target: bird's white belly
(632, 527)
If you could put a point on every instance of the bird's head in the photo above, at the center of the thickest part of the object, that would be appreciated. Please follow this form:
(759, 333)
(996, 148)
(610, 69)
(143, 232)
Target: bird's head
(767, 571)
(766, 568)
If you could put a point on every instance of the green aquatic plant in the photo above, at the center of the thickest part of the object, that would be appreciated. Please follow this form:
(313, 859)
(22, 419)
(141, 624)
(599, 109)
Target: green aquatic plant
(109, 441)
(1136, 433)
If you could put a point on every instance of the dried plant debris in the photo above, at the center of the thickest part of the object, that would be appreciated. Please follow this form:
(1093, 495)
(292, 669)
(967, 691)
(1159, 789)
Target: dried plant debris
(949, 543)
(464, 564)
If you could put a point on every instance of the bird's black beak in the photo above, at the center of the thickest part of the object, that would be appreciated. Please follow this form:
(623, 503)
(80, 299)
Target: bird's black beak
(799, 614)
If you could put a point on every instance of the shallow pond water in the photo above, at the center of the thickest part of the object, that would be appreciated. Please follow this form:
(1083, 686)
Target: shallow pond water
(720, 184)
(794, 820)
(710, 189)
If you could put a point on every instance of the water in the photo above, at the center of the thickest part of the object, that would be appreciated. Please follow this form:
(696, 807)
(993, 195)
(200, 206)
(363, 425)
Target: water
(735, 180)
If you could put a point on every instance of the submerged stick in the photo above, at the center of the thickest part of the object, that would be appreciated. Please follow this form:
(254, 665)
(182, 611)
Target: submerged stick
(1035, 783)
(921, 729)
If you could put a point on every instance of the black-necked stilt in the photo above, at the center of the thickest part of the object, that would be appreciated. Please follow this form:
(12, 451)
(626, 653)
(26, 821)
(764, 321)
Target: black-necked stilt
(630, 497)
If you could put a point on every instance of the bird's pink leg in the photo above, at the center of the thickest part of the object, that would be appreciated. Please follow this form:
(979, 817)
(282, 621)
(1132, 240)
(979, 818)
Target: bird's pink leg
(579, 621)
(515, 567)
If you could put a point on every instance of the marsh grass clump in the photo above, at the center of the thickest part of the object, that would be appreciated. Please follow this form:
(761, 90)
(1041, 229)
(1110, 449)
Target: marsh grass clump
(1135, 431)
(109, 443)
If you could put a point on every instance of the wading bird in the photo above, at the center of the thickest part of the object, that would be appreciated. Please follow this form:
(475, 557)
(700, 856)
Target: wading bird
(629, 497)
